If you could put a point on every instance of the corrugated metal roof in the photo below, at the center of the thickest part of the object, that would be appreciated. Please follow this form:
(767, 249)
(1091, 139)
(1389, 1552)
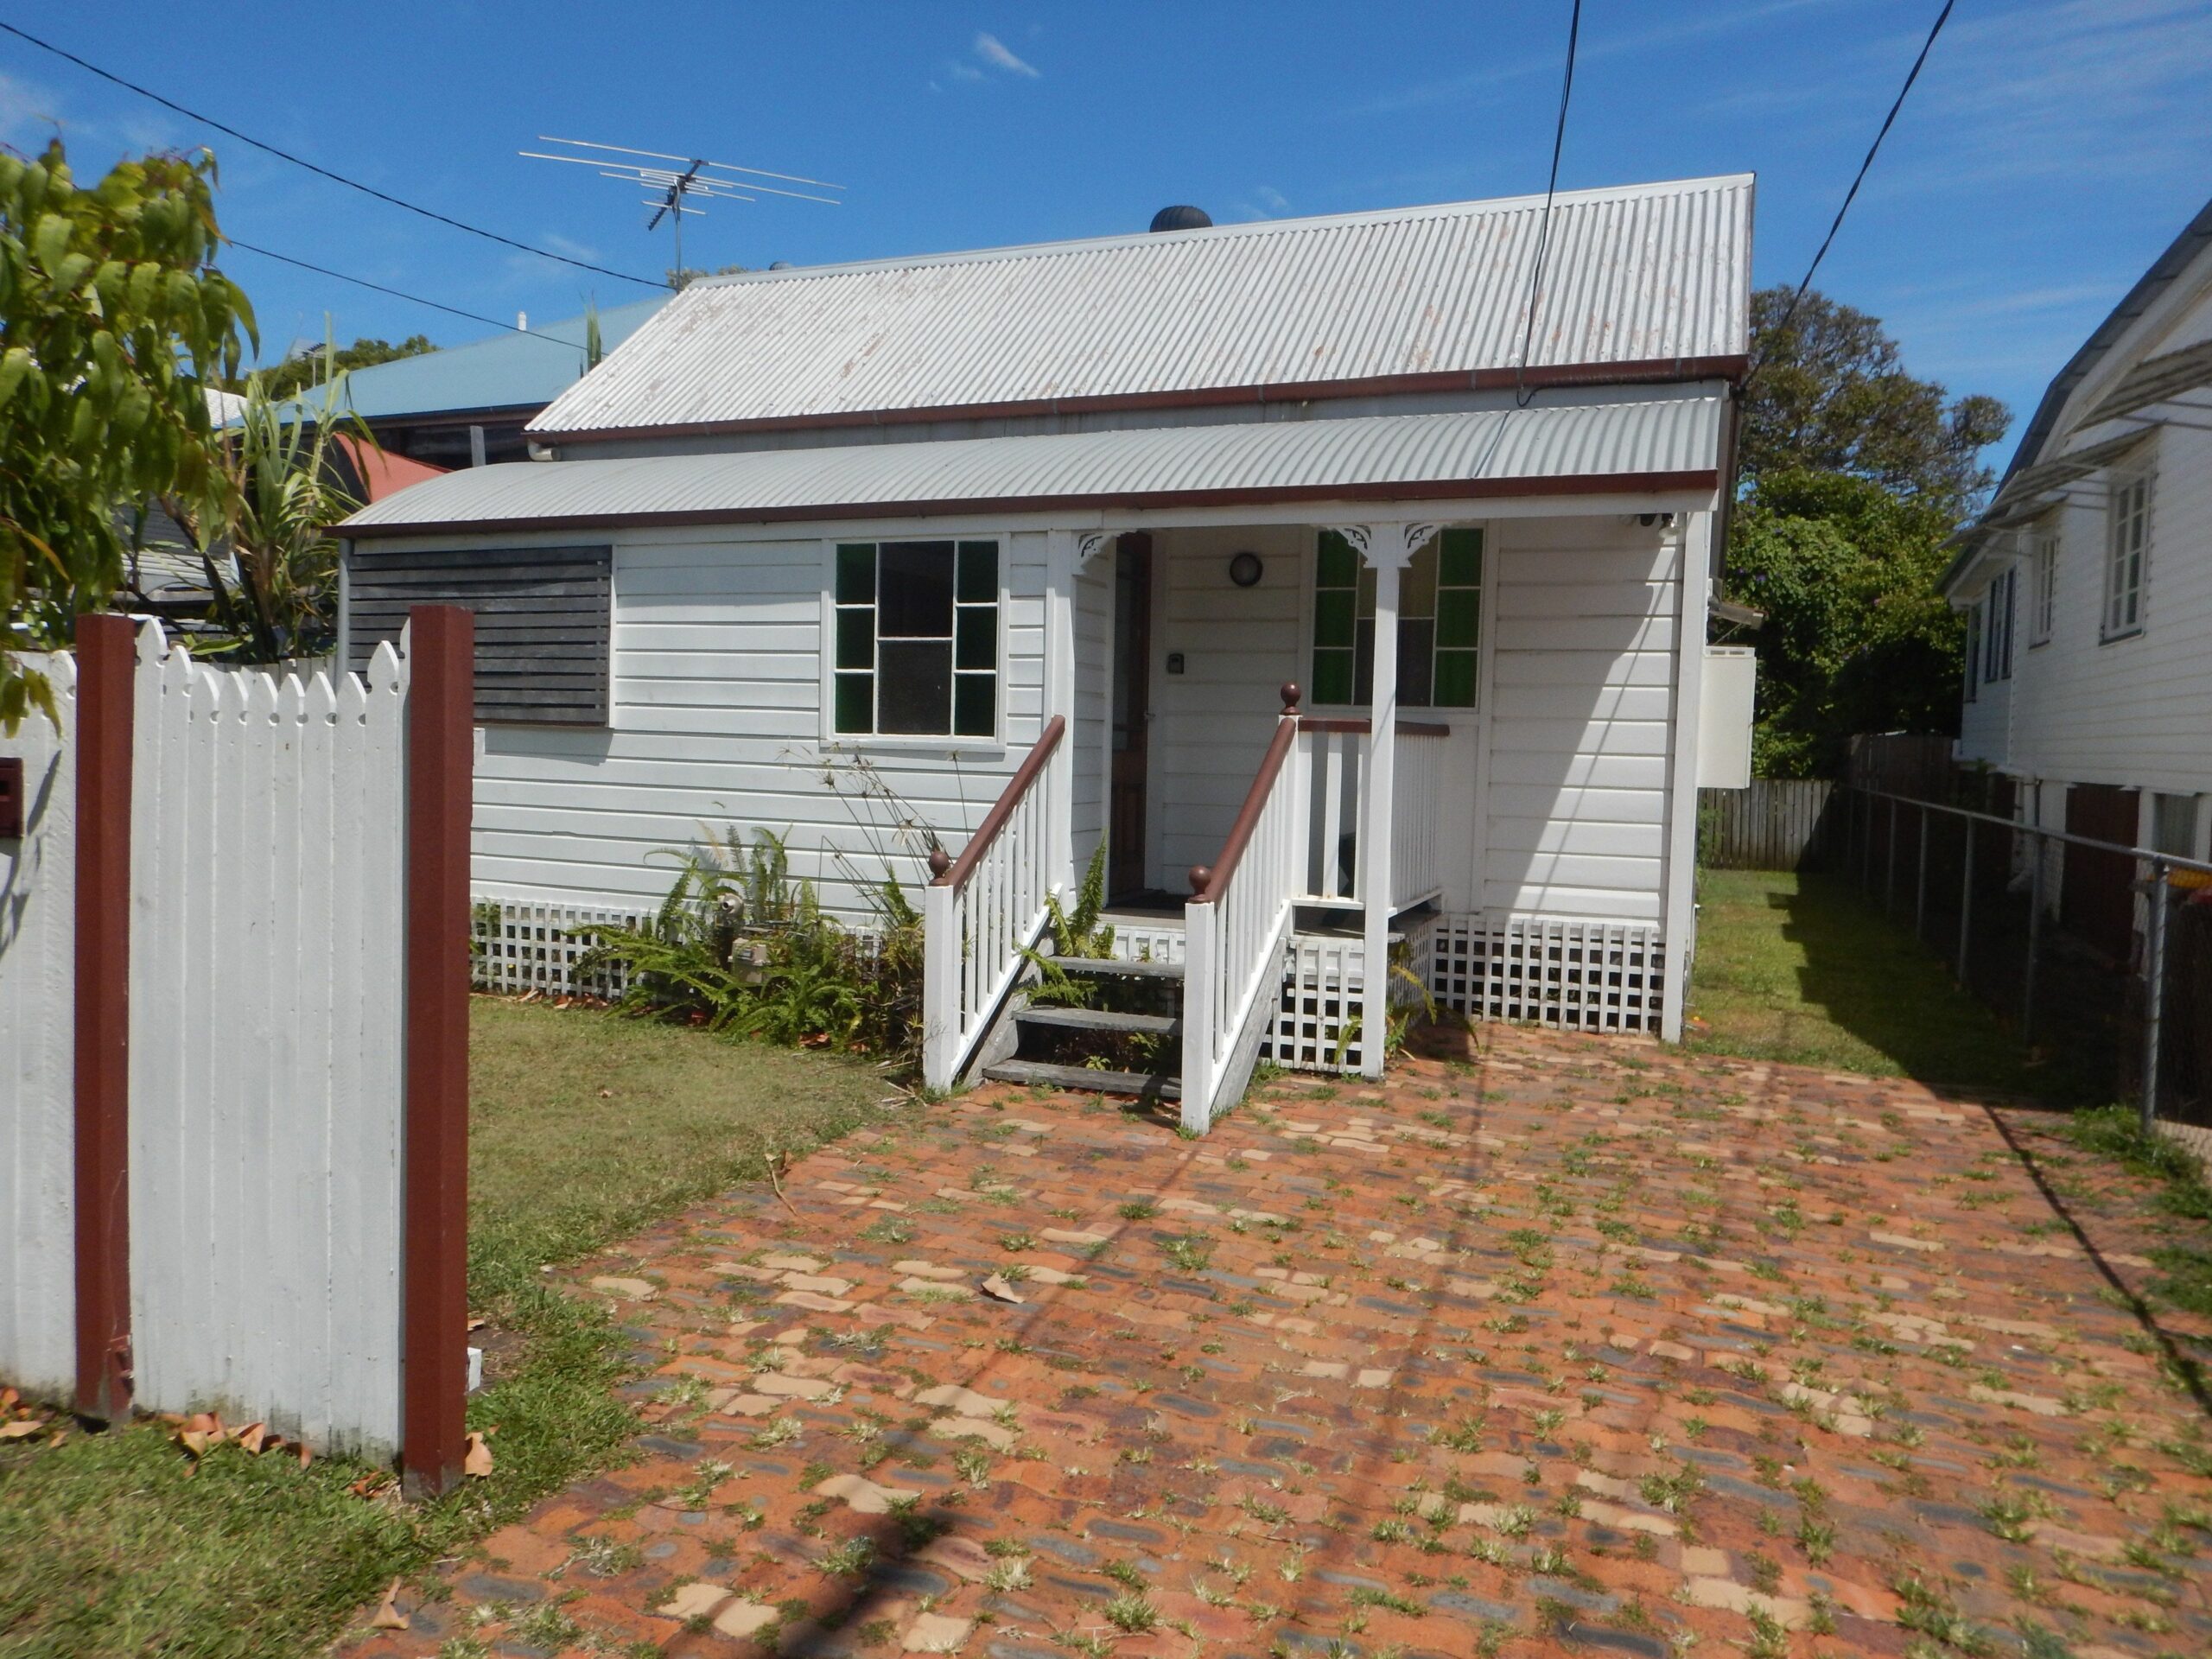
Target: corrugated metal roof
(1635, 275)
(1491, 451)
(512, 371)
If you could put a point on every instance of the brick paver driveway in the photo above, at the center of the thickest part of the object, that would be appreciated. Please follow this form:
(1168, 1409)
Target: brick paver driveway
(1567, 1345)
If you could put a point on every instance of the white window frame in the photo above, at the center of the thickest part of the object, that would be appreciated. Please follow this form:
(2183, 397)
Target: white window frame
(1974, 630)
(911, 743)
(2043, 596)
(1997, 633)
(2127, 552)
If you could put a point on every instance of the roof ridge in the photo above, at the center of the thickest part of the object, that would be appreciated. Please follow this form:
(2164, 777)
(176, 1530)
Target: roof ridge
(1469, 207)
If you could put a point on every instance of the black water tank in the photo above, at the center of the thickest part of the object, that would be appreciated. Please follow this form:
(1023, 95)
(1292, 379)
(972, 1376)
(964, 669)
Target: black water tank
(1182, 217)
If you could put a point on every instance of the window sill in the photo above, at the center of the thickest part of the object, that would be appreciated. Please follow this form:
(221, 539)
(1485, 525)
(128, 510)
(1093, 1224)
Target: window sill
(2117, 638)
(2038, 645)
(853, 743)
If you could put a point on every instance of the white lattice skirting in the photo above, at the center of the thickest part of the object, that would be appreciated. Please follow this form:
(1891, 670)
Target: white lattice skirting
(524, 947)
(1579, 975)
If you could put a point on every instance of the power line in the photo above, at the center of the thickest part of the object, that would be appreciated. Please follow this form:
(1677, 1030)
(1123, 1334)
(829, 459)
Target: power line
(1850, 195)
(1521, 394)
(398, 294)
(322, 172)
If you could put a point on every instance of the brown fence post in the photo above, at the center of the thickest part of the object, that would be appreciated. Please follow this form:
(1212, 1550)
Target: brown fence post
(434, 1249)
(106, 661)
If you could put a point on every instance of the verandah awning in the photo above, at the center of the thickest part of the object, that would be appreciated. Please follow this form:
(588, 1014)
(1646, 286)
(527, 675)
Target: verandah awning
(1649, 445)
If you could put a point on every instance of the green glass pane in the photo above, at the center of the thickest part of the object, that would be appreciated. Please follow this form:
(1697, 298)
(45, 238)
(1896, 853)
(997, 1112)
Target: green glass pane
(979, 573)
(1462, 564)
(975, 704)
(1458, 616)
(856, 639)
(856, 573)
(1417, 588)
(856, 703)
(1338, 566)
(1332, 677)
(976, 631)
(1333, 617)
(1455, 679)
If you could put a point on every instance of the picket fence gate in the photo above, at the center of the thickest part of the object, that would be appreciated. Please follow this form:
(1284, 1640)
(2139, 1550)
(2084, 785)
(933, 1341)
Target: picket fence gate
(232, 1146)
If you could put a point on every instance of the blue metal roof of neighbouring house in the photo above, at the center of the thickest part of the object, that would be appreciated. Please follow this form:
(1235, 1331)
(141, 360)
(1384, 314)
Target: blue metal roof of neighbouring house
(508, 370)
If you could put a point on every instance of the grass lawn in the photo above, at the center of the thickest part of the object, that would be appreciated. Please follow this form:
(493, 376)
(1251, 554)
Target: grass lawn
(1799, 968)
(584, 1128)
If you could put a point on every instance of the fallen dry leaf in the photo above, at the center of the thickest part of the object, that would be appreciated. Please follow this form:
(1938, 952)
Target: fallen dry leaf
(370, 1483)
(477, 1466)
(8, 1398)
(997, 1285)
(389, 1617)
(20, 1431)
(306, 1456)
(476, 1325)
(250, 1438)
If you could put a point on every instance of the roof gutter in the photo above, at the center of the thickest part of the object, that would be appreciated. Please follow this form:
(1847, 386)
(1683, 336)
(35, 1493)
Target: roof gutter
(1700, 479)
(1663, 370)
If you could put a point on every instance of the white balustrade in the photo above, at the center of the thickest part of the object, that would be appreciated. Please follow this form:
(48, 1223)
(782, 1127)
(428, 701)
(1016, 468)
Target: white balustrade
(1236, 928)
(1334, 753)
(982, 912)
(1417, 816)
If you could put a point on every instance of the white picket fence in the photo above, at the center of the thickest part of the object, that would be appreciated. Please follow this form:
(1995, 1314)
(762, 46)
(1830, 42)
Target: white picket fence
(38, 1295)
(266, 1045)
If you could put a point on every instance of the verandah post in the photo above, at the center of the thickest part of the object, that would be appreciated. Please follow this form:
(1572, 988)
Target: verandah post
(1389, 549)
(107, 660)
(434, 1247)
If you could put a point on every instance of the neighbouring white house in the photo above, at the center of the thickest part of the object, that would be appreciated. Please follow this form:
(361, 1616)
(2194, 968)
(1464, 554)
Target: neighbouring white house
(1356, 616)
(2086, 586)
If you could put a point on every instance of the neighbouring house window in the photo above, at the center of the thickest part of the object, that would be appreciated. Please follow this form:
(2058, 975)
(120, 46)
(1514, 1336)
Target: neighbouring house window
(1997, 642)
(1973, 650)
(916, 645)
(2173, 825)
(2128, 551)
(1439, 623)
(2042, 599)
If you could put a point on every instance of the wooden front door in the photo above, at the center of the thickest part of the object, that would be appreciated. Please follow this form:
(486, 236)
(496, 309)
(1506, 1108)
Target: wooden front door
(1132, 690)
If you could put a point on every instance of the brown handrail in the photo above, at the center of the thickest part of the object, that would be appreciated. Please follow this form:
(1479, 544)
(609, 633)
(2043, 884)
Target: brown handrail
(949, 872)
(1362, 724)
(1207, 884)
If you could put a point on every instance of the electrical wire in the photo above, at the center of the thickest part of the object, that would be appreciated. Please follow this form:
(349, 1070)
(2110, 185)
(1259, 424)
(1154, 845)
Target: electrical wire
(1850, 195)
(398, 294)
(1521, 395)
(322, 172)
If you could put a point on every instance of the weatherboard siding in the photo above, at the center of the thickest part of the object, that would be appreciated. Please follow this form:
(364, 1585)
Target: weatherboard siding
(1581, 631)
(717, 723)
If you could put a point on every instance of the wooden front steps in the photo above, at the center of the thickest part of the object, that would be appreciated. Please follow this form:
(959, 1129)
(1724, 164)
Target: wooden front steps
(1068, 1046)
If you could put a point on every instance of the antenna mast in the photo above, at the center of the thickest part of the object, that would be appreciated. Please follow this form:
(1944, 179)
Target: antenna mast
(689, 178)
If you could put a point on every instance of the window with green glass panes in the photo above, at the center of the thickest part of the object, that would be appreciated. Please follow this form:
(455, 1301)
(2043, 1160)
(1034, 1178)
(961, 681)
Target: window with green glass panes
(1439, 623)
(917, 639)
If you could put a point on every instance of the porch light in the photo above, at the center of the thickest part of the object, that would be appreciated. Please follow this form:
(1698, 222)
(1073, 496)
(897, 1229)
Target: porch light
(1245, 570)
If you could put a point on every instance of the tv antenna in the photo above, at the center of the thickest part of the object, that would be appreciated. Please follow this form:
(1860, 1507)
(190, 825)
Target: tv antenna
(687, 179)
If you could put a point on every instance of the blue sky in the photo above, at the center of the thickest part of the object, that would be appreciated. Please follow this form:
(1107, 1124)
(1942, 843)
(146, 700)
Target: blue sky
(2052, 147)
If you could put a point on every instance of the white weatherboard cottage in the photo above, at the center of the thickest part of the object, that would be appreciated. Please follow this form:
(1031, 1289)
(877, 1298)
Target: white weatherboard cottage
(1043, 533)
(2087, 583)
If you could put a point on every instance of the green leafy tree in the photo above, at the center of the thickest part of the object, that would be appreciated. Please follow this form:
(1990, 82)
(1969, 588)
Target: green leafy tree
(1854, 475)
(305, 369)
(114, 322)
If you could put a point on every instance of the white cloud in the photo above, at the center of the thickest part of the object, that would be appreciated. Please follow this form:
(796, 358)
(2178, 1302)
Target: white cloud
(994, 51)
(28, 111)
(1272, 199)
(963, 71)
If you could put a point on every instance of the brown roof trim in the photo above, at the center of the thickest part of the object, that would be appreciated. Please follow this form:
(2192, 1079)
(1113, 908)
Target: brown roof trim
(1658, 371)
(1110, 501)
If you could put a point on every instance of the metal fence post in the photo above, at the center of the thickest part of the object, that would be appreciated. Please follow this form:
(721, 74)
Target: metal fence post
(1966, 905)
(2035, 937)
(2154, 989)
(1890, 875)
(1920, 886)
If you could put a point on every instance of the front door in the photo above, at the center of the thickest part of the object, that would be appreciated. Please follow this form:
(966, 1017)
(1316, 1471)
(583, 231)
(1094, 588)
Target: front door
(1125, 860)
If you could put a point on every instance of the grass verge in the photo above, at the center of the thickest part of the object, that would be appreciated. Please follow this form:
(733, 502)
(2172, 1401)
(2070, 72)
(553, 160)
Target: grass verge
(584, 1128)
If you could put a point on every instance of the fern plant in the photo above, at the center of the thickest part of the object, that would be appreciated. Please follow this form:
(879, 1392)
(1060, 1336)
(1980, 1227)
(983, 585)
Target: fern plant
(1075, 932)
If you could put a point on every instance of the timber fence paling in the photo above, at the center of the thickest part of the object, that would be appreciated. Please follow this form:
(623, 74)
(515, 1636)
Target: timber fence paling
(1777, 824)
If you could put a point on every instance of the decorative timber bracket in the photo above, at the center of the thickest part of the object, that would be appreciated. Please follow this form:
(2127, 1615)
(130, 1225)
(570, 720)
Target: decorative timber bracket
(1391, 542)
(1091, 543)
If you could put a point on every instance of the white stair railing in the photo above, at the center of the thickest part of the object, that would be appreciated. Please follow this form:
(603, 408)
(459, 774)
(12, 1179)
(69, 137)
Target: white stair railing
(983, 909)
(1236, 928)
